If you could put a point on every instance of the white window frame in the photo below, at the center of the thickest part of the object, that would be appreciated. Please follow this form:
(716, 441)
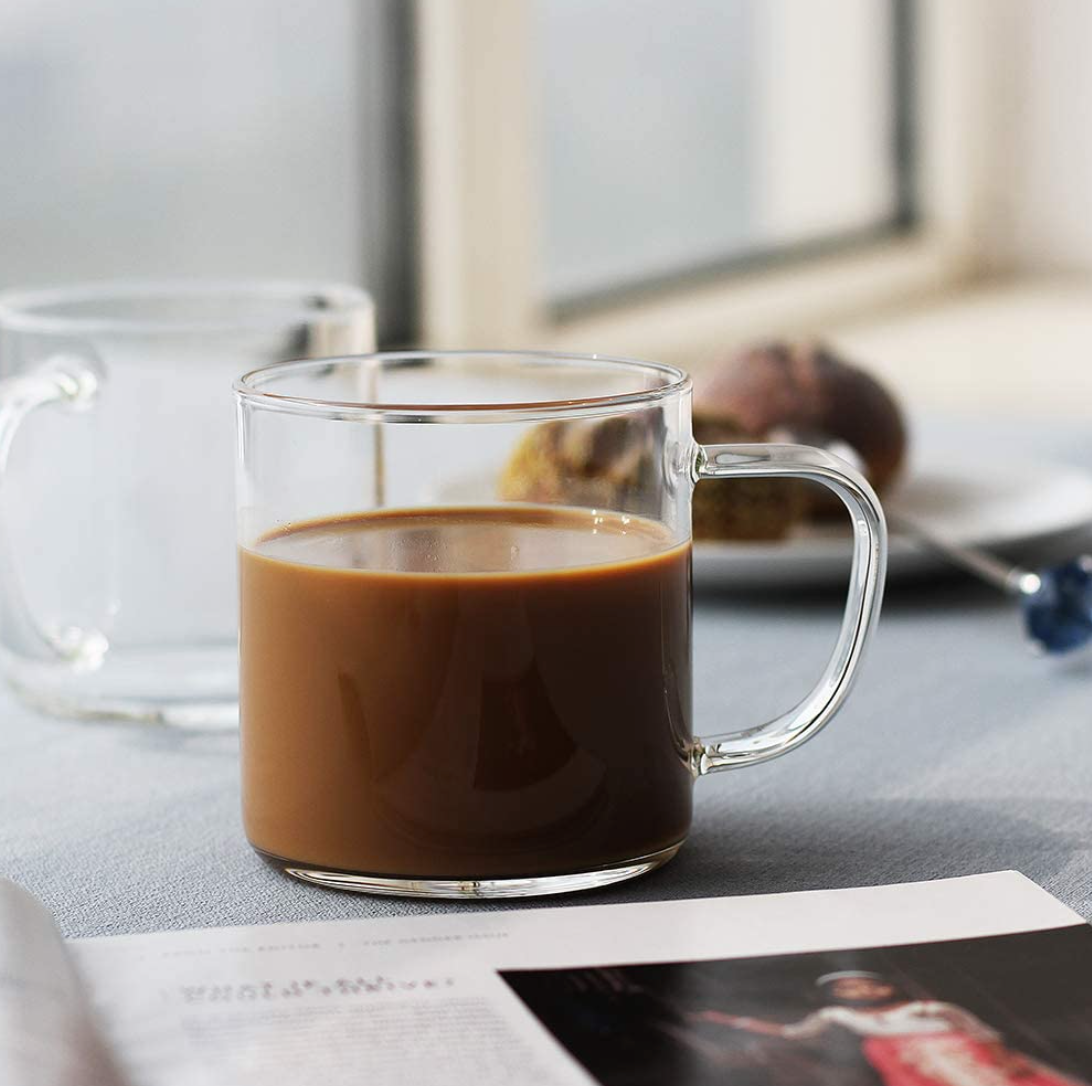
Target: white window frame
(479, 203)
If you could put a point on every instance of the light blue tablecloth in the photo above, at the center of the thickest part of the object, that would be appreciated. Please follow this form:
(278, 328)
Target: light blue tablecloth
(959, 752)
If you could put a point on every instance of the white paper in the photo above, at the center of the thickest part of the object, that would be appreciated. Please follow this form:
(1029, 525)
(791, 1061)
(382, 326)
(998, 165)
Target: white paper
(47, 1036)
(419, 1000)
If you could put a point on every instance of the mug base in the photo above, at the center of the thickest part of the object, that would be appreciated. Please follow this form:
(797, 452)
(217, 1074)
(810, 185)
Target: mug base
(205, 715)
(465, 889)
(174, 686)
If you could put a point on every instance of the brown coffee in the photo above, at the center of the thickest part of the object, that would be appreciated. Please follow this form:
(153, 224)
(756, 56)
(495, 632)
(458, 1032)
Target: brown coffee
(473, 693)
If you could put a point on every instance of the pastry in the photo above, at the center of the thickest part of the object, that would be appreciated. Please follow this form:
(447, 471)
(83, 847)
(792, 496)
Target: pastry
(805, 392)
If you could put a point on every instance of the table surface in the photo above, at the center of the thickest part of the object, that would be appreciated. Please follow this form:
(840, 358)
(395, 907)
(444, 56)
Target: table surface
(958, 752)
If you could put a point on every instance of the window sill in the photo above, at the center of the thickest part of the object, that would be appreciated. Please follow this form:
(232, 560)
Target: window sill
(690, 326)
(1017, 348)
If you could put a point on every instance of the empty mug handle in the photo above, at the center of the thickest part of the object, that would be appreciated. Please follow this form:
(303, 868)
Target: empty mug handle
(70, 381)
(784, 733)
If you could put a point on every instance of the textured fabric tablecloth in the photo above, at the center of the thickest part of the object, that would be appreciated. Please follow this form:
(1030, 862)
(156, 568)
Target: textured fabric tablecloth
(959, 752)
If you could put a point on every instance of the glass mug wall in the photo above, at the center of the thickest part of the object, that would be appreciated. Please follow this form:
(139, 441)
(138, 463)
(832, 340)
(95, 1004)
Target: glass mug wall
(466, 618)
(117, 564)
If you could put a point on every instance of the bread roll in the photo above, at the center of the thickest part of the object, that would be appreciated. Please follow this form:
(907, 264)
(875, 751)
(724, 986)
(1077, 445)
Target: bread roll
(808, 391)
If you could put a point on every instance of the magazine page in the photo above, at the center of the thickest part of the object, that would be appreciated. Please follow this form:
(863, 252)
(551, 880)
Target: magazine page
(981, 980)
(47, 1036)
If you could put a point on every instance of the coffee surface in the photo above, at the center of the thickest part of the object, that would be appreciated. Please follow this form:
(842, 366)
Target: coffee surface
(488, 692)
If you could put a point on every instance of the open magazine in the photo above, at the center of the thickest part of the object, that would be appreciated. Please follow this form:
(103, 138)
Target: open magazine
(978, 981)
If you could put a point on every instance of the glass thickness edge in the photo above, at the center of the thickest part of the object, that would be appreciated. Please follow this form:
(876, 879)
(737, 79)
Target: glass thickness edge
(249, 390)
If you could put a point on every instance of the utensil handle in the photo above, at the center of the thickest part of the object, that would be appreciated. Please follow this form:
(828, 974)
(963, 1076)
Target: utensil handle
(782, 734)
(1010, 578)
(70, 381)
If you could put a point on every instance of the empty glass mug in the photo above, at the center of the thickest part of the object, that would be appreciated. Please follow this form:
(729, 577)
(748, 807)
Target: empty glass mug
(465, 625)
(117, 565)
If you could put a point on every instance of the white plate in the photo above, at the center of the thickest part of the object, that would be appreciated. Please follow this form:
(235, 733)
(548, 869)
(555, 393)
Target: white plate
(1008, 505)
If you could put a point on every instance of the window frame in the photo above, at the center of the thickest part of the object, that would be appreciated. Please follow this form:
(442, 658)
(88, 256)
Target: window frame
(479, 205)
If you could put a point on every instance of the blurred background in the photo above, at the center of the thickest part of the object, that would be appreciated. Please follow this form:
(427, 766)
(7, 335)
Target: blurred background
(910, 178)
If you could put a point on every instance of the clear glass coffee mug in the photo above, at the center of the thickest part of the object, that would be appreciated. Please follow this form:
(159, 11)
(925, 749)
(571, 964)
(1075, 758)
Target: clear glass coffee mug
(466, 618)
(117, 565)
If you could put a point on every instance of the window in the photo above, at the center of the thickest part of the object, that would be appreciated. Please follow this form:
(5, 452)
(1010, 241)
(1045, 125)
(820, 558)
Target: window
(598, 174)
(681, 139)
(583, 174)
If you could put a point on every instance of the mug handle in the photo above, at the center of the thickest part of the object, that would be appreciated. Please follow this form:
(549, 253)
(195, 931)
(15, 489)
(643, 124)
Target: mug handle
(782, 734)
(70, 381)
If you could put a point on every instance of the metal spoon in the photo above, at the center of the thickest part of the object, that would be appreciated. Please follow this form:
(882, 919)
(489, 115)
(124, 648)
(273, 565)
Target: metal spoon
(1056, 601)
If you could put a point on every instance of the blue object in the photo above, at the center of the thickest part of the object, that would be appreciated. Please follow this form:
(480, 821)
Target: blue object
(1059, 613)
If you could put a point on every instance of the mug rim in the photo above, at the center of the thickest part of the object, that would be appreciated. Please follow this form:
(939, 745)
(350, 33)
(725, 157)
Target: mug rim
(248, 388)
(19, 308)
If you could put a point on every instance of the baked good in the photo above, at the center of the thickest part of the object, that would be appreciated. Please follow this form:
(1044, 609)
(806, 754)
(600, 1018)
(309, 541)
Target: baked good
(615, 463)
(777, 391)
(608, 463)
(744, 510)
(803, 391)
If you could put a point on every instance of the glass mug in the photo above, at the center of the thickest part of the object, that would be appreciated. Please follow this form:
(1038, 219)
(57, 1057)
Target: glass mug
(465, 626)
(117, 565)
